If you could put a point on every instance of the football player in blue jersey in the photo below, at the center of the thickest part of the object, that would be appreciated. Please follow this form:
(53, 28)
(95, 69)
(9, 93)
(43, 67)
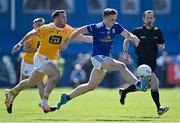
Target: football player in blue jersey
(103, 34)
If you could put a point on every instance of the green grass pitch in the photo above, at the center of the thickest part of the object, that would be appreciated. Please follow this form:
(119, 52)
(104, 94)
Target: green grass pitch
(99, 106)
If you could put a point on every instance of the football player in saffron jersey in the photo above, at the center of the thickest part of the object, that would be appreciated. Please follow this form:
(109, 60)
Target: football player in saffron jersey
(27, 64)
(52, 36)
(30, 49)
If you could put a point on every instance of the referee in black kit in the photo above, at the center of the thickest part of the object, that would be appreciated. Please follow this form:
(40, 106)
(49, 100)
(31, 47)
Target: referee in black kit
(151, 40)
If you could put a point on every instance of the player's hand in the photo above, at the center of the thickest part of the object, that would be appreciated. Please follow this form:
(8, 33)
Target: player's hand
(63, 46)
(16, 48)
(136, 41)
(127, 57)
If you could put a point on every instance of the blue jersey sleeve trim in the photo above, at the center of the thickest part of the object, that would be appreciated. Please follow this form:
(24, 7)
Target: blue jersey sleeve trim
(91, 28)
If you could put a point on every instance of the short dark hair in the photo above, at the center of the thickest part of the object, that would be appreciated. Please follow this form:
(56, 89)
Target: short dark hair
(38, 20)
(57, 12)
(148, 11)
(109, 11)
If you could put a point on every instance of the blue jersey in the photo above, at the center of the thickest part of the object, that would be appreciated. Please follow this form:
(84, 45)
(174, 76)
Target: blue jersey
(103, 37)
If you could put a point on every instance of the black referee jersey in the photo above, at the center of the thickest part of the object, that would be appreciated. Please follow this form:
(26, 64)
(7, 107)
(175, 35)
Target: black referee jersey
(147, 51)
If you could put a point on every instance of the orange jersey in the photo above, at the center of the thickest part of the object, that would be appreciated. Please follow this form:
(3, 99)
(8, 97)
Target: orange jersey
(51, 37)
(33, 43)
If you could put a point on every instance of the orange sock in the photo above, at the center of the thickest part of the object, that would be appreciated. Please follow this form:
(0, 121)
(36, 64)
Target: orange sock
(46, 97)
(13, 92)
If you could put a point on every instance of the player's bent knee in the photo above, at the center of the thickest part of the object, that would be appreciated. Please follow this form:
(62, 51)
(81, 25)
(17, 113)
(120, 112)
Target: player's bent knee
(122, 66)
(91, 87)
(56, 77)
(155, 86)
(32, 83)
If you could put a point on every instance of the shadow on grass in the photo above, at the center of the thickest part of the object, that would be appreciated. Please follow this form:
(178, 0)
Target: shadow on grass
(130, 118)
(52, 120)
(124, 119)
(145, 117)
(108, 120)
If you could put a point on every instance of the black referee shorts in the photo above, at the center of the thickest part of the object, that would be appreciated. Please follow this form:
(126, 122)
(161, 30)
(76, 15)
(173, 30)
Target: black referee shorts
(151, 63)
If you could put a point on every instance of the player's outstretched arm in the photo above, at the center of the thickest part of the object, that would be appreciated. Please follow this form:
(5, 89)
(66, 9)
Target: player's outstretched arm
(129, 36)
(25, 39)
(74, 35)
(84, 38)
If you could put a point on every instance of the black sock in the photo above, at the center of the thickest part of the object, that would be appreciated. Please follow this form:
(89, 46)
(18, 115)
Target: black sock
(155, 96)
(131, 88)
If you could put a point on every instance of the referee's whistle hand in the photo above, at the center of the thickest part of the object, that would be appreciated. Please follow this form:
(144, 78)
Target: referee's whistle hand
(127, 57)
(136, 41)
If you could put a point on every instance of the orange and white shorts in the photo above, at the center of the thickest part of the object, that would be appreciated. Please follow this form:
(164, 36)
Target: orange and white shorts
(26, 69)
(40, 61)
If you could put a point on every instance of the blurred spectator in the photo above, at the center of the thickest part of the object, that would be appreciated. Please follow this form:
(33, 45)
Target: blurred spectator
(175, 59)
(85, 61)
(129, 5)
(35, 4)
(0, 7)
(60, 64)
(95, 4)
(59, 4)
(87, 65)
(3, 5)
(79, 59)
(10, 68)
(177, 70)
(82, 58)
(17, 65)
(78, 75)
(179, 34)
(111, 77)
(163, 59)
(47, 4)
(162, 62)
(3, 71)
(160, 4)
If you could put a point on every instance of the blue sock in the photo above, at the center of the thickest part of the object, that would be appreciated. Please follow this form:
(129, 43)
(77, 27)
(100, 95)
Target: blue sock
(139, 84)
(68, 98)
